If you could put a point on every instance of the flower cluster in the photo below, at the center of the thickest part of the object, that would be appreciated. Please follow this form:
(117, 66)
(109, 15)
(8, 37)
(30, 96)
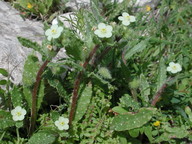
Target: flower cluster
(105, 31)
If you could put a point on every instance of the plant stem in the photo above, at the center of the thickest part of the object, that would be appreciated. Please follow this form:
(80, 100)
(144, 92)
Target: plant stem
(77, 84)
(18, 137)
(158, 94)
(34, 97)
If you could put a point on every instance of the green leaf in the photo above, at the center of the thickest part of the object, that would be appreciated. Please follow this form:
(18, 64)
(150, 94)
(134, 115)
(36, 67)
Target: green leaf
(127, 101)
(145, 89)
(28, 96)
(148, 132)
(96, 12)
(172, 132)
(119, 110)
(16, 97)
(132, 121)
(30, 70)
(29, 44)
(43, 137)
(4, 72)
(83, 102)
(162, 74)
(6, 120)
(134, 132)
(58, 86)
(138, 48)
(40, 94)
(3, 82)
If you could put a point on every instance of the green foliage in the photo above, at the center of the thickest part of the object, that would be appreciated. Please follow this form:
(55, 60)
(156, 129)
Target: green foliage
(129, 121)
(30, 70)
(104, 72)
(16, 96)
(127, 101)
(83, 102)
(4, 72)
(137, 48)
(6, 120)
(116, 84)
(145, 88)
(29, 44)
(45, 137)
(41, 94)
(40, 8)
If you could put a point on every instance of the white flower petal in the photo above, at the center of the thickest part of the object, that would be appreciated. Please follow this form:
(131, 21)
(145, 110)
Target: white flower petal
(49, 38)
(54, 27)
(125, 22)
(48, 32)
(171, 63)
(120, 18)
(168, 68)
(124, 14)
(57, 123)
(60, 29)
(66, 127)
(132, 19)
(101, 25)
(108, 35)
(109, 28)
(55, 21)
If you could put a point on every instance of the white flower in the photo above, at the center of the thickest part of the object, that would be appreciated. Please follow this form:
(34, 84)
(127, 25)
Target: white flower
(18, 113)
(174, 67)
(126, 18)
(104, 31)
(53, 32)
(62, 123)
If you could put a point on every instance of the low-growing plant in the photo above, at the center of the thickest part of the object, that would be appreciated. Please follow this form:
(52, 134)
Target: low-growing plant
(126, 79)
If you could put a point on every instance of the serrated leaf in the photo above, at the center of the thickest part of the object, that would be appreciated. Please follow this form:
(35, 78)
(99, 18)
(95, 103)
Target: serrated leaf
(96, 12)
(162, 74)
(6, 120)
(148, 132)
(145, 89)
(127, 101)
(29, 44)
(40, 94)
(28, 96)
(132, 121)
(30, 70)
(4, 72)
(43, 137)
(83, 102)
(119, 110)
(58, 86)
(16, 97)
(137, 48)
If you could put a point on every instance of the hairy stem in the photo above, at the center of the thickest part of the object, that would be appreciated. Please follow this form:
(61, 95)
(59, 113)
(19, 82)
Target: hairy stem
(158, 94)
(34, 97)
(77, 84)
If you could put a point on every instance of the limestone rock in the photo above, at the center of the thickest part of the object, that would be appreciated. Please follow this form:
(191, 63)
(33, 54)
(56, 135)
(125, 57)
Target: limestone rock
(12, 54)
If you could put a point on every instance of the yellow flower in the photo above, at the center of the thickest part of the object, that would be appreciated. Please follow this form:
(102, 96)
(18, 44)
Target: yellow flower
(29, 6)
(148, 8)
(157, 123)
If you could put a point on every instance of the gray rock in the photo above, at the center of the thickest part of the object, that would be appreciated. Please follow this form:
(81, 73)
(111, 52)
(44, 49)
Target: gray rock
(12, 54)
